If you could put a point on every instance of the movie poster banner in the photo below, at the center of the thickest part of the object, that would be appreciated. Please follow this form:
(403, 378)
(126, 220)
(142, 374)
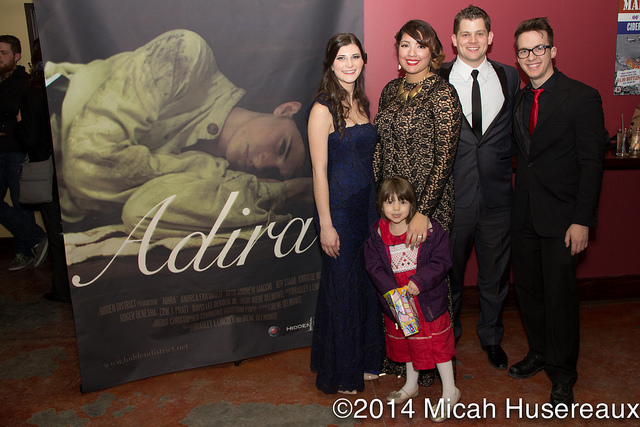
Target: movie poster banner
(627, 80)
(183, 169)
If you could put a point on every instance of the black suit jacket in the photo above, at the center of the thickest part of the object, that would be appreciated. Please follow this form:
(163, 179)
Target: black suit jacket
(559, 168)
(488, 160)
(11, 90)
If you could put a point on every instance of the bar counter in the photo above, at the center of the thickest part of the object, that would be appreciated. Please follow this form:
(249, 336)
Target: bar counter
(611, 161)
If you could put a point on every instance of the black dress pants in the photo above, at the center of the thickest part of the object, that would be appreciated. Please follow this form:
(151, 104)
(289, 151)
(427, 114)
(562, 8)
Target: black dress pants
(546, 292)
(489, 230)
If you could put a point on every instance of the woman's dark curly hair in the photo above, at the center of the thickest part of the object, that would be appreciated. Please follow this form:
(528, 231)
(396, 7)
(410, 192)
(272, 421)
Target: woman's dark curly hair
(422, 32)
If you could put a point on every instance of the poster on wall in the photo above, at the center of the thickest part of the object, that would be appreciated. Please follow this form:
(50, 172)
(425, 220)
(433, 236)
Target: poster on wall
(184, 177)
(627, 79)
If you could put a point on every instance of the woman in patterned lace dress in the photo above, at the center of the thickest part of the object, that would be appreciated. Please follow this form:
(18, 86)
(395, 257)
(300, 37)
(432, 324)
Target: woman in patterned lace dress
(418, 122)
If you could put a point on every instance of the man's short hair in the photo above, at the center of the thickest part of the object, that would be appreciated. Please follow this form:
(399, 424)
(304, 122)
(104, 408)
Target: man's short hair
(12, 41)
(535, 24)
(471, 12)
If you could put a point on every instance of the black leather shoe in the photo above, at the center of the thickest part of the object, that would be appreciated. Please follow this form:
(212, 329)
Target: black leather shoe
(527, 367)
(561, 393)
(497, 356)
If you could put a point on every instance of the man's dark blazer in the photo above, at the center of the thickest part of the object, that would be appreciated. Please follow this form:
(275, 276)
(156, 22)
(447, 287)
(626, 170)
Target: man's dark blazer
(488, 160)
(560, 167)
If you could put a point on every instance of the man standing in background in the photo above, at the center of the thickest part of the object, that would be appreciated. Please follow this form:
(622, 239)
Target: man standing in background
(482, 175)
(30, 240)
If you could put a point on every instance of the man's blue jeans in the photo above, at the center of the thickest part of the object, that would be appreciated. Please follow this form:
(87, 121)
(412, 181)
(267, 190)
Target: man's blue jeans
(20, 222)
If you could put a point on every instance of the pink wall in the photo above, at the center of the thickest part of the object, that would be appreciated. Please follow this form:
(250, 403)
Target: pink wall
(585, 36)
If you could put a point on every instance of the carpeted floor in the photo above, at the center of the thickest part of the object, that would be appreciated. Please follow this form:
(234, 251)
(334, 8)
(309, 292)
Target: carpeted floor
(40, 381)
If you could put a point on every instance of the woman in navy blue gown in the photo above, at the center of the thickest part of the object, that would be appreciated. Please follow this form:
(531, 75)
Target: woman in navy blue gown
(348, 342)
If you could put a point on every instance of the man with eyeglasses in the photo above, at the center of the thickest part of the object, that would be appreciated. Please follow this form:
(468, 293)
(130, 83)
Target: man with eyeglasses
(558, 128)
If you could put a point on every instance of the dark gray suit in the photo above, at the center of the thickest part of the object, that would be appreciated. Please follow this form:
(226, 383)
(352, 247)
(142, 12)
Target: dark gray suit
(482, 181)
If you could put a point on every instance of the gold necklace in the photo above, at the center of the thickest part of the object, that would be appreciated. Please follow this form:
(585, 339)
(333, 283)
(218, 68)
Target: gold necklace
(404, 94)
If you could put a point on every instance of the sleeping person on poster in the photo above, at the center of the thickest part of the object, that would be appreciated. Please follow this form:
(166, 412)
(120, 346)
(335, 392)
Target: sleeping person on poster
(141, 126)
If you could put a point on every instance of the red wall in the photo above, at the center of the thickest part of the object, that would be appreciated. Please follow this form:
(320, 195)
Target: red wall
(585, 36)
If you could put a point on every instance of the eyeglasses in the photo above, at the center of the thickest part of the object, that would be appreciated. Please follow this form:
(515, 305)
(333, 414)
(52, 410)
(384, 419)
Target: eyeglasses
(537, 51)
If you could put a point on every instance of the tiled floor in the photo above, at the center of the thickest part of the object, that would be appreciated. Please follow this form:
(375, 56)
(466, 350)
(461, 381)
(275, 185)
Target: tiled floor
(40, 382)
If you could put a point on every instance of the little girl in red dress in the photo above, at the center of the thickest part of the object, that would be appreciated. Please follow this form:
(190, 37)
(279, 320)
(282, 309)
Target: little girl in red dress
(423, 270)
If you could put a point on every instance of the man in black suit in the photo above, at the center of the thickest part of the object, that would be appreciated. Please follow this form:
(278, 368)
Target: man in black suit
(560, 142)
(482, 175)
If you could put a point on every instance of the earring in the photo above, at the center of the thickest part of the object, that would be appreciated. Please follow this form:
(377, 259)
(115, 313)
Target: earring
(399, 67)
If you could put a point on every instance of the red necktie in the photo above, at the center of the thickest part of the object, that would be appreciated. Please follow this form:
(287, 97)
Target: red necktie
(533, 117)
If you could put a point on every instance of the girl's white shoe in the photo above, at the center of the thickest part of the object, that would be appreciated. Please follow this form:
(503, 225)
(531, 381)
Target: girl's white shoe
(401, 396)
(446, 408)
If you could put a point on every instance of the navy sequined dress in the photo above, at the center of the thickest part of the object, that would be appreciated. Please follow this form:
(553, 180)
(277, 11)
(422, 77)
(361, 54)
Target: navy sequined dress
(348, 338)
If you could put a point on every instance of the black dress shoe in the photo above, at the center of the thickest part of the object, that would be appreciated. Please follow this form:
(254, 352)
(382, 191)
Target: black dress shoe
(527, 367)
(561, 393)
(497, 356)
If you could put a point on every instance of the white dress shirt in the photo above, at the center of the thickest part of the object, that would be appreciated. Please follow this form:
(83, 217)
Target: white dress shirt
(491, 94)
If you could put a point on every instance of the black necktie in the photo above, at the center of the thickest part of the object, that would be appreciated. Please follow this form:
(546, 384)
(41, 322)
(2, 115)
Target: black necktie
(476, 106)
